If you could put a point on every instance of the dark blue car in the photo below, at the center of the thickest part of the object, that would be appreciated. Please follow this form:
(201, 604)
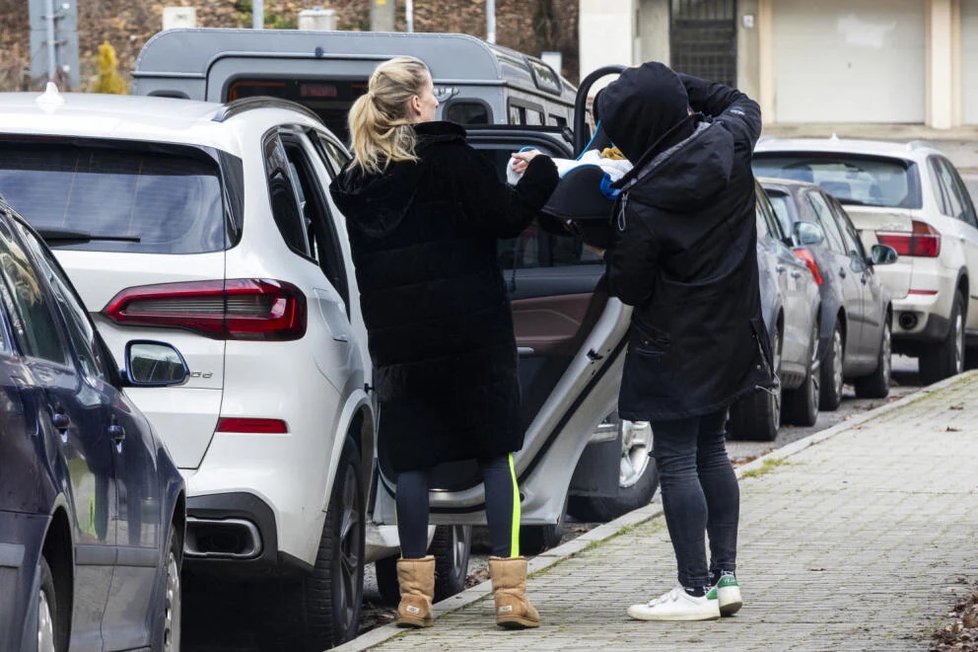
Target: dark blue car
(91, 505)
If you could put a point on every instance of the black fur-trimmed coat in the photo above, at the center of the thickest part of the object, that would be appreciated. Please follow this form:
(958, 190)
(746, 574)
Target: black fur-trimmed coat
(440, 329)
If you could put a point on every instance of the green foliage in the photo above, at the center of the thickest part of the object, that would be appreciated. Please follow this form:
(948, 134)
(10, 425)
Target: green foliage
(109, 80)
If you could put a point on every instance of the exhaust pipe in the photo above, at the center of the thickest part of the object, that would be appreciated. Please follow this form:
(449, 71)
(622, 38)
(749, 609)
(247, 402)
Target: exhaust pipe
(908, 321)
(222, 539)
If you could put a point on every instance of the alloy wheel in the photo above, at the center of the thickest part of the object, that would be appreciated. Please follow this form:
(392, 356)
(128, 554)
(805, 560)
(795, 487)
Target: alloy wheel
(958, 344)
(45, 624)
(173, 607)
(837, 352)
(636, 444)
(351, 547)
(814, 366)
(887, 354)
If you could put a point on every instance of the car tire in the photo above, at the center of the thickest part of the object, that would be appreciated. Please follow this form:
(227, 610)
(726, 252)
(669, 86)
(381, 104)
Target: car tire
(169, 626)
(877, 384)
(831, 373)
(451, 547)
(757, 416)
(971, 358)
(638, 479)
(801, 404)
(321, 609)
(534, 539)
(52, 635)
(386, 571)
(945, 358)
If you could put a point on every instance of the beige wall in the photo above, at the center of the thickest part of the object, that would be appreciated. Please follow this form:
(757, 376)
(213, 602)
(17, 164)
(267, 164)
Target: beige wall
(748, 49)
(607, 34)
(653, 30)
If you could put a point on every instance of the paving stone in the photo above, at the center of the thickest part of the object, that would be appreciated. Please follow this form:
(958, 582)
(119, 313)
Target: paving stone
(858, 542)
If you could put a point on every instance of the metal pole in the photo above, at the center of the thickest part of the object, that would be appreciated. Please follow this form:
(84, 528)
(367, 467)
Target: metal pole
(491, 21)
(257, 14)
(52, 46)
(409, 14)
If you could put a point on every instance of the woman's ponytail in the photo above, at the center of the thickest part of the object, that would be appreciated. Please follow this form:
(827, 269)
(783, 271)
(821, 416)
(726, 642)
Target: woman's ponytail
(379, 129)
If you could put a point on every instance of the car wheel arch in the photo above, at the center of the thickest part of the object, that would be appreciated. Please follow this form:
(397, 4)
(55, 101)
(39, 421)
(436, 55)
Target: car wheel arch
(963, 286)
(58, 550)
(361, 432)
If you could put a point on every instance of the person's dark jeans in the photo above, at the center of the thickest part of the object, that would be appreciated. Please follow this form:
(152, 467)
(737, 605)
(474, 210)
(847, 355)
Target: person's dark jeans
(699, 494)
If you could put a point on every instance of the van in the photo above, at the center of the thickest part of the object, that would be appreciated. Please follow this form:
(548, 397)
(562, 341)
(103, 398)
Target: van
(476, 83)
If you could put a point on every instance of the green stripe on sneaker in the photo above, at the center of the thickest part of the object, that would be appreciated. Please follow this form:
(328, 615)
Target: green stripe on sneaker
(727, 581)
(712, 595)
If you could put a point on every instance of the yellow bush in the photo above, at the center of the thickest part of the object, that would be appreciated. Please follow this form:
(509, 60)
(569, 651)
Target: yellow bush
(109, 80)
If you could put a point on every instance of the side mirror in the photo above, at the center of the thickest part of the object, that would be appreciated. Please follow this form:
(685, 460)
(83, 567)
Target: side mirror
(807, 233)
(154, 364)
(883, 255)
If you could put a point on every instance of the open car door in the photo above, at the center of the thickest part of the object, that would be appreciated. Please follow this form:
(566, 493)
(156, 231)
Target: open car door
(570, 334)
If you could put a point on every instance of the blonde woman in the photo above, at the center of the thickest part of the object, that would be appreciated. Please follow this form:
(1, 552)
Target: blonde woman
(424, 211)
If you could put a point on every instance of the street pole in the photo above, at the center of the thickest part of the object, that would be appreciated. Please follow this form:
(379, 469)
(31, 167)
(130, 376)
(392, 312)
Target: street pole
(258, 14)
(52, 45)
(382, 15)
(409, 15)
(491, 21)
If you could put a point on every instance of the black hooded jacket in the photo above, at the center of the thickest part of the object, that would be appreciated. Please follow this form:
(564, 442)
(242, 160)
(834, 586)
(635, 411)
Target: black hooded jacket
(684, 251)
(438, 319)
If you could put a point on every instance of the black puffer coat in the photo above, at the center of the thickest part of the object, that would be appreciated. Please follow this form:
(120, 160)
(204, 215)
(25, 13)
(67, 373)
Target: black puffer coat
(684, 252)
(440, 329)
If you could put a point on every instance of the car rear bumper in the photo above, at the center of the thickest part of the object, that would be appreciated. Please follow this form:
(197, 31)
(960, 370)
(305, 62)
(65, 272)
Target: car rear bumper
(234, 534)
(922, 317)
(21, 541)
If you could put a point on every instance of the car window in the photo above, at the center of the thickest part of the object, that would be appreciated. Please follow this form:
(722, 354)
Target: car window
(334, 156)
(954, 206)
(773, 226)
(33, 324)
(468, 112)
(324, 246)
(854, 246)
(850, 178)
(168, 201)
(823, 215)
(940, 192)
(779, 203)
(535, 246)
(283, 194)
(961, 205)
(79, 327)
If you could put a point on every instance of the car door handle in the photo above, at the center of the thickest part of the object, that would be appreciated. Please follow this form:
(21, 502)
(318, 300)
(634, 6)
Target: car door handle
(795, 274)
(780, 269)
(842, 272)
(60, 420)
(117, 432)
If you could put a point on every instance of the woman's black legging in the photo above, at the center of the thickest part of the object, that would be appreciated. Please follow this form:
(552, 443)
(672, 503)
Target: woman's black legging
(502, 508)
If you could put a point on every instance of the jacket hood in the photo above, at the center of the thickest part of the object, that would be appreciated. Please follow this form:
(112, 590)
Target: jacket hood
(376, 203)
(686, 176)
(643, 107)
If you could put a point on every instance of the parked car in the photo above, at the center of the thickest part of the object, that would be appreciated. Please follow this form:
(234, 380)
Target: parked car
(790, 304)
(910, 197)
(91, 504)
(209, 225)
(854, 339)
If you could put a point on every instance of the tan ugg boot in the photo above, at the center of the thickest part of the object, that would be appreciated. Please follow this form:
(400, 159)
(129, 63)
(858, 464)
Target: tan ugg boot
(416, 578)
(513, 610)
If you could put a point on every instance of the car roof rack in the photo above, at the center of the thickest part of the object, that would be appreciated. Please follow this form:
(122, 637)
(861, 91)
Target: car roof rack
(237, 107)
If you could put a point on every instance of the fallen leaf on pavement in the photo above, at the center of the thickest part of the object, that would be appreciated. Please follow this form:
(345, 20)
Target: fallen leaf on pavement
(952, 429)
(816, 569)
(959, 406)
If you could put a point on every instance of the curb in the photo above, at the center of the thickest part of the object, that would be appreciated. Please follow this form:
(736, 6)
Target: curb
(642, 515)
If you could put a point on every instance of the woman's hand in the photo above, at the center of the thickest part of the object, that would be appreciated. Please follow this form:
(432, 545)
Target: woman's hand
(522, 160)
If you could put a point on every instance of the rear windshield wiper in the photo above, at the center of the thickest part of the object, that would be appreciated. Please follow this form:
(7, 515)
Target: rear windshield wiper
(56, 237)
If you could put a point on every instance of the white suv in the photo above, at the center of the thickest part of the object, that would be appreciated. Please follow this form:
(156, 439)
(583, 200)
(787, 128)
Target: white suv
(910, 197)
(209, 227)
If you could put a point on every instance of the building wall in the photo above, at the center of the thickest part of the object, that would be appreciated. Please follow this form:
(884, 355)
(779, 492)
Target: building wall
(863, 61)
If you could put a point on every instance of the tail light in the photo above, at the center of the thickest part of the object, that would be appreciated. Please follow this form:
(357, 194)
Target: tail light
(235, 309)
(809, 259)
(252, 426)
(923, 240)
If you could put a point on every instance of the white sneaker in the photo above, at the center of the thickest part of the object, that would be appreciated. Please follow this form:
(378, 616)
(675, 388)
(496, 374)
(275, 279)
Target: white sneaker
(728, 594)
(678, 605)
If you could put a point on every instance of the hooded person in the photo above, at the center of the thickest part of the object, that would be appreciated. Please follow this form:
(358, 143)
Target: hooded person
(684, 255)
(425, 211)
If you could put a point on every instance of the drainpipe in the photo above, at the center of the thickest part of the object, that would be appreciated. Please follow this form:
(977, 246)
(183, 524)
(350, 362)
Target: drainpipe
(52, 46)
(491, 21)
(257, 14)
(409, 15)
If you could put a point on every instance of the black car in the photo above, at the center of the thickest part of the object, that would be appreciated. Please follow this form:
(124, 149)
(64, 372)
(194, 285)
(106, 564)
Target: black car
(91, 505)
(855, 320)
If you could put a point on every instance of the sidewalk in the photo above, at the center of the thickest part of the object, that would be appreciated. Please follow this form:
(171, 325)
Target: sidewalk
(852, 539)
